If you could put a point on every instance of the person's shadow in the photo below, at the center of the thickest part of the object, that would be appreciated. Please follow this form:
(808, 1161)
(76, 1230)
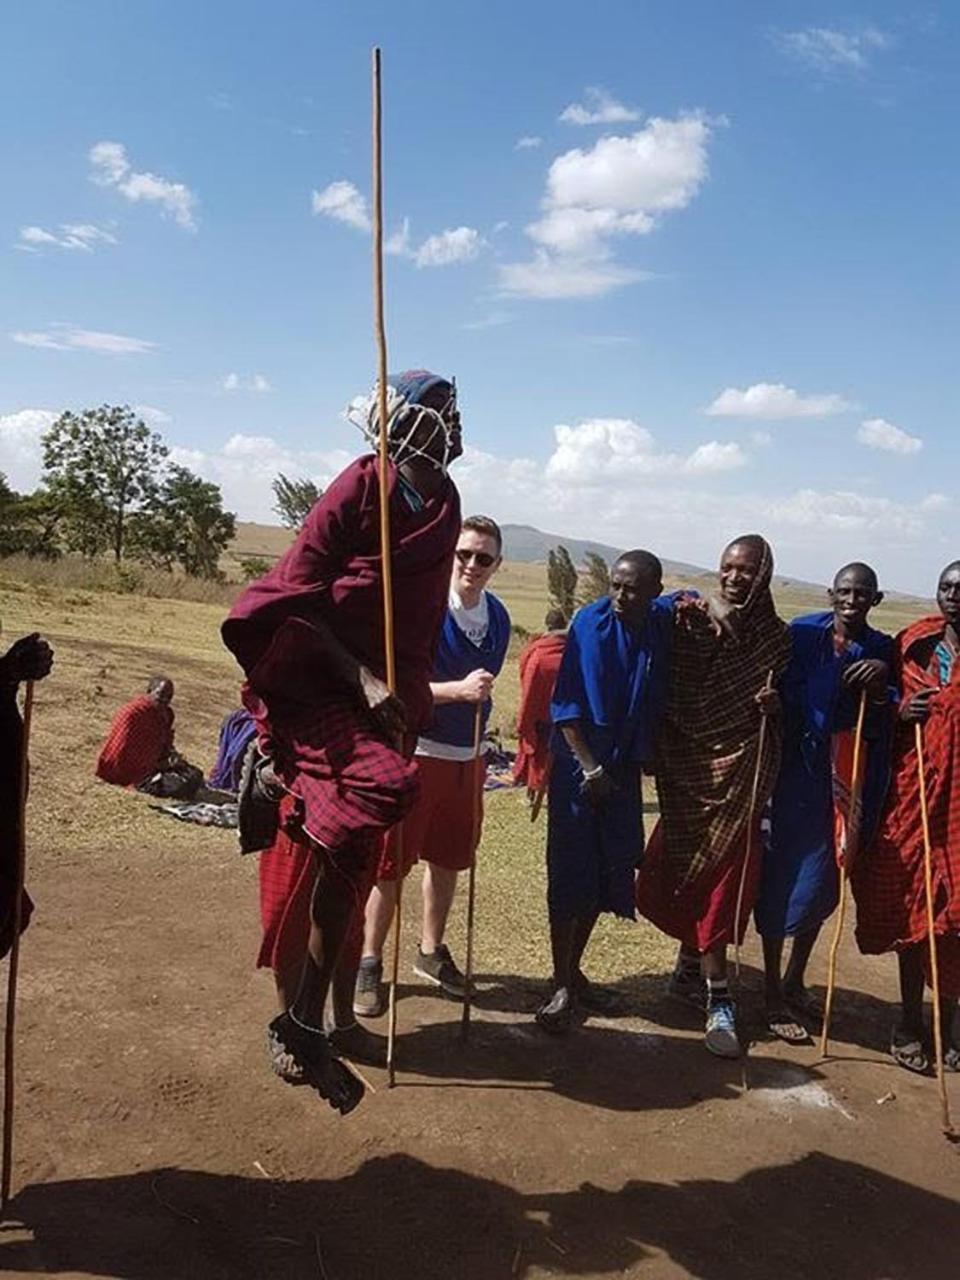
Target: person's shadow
(399, 1218)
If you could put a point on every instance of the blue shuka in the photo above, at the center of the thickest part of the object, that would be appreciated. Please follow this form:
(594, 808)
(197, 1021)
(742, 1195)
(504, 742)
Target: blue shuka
(456, 657)
(613, 681)
(800, 882)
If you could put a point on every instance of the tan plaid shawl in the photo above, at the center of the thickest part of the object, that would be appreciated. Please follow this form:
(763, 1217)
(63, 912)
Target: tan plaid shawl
(708, 742)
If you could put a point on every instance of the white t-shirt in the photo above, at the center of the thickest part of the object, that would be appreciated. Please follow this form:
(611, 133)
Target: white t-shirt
(474, 623)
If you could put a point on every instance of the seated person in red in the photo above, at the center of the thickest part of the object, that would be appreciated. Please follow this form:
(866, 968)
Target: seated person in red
(139, 750)
(310, 637)
(539, 664)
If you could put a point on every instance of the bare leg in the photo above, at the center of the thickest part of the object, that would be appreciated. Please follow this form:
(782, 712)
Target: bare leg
(287, 982)
(331, 910)
(379, 915)
(562, 941)
(583, 928)
(555, 1014)
(772, 959)
(911, 990)
(439, 887)
(714, 964)
(803, 944)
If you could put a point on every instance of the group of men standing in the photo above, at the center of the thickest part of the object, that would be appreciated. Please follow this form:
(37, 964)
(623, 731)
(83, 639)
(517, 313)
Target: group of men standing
(363, 781)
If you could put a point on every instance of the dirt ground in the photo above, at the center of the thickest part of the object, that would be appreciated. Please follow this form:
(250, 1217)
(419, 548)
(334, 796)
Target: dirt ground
(153, 1142)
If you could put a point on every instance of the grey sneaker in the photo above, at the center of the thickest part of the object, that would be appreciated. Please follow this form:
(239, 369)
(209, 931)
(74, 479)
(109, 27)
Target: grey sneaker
(439, 970)
(721, 1034)
(370, 994)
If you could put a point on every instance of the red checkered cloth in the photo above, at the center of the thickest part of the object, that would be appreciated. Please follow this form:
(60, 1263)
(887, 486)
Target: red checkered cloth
(539, 664)
(888, 877)
(139, 741)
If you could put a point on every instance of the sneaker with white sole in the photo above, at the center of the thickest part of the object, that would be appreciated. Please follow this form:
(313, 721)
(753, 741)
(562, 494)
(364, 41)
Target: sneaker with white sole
(370, 994)
(721, 1033)
(438, 968)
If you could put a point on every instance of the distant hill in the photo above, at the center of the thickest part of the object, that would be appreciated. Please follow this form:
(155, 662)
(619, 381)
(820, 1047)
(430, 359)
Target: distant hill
(526, 544)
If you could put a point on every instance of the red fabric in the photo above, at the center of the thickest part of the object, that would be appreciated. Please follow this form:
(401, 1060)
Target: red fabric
(333, 573)
(439, 827)
(888, 878)
(287, 873)
(702, 916)
(140, 739)
(539, 664)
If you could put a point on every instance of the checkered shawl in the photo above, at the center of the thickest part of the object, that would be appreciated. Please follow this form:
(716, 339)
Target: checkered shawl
(707, 746)
(888, 876)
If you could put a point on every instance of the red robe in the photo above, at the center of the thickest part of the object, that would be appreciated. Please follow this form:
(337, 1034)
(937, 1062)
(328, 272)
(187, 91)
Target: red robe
(888, 877)
(140, 739)
(539, 664)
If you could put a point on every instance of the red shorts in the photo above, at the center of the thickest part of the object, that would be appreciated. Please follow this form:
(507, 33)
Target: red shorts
(440, 826)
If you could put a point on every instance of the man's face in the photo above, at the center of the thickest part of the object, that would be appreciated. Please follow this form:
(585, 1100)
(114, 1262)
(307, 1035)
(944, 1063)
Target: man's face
(631, 590)
(162, 694)
(853, 595)
(475, 561)
(739, 567)
(948, 594)
(429, 437)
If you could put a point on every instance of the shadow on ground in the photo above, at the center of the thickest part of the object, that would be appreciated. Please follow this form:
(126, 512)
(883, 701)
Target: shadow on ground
(398, 1217)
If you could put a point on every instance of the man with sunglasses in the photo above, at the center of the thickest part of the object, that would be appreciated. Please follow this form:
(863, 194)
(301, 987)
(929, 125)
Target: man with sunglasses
(441, 828)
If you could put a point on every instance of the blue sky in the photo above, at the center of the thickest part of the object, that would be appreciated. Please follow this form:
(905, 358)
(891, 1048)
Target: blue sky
(693, 265)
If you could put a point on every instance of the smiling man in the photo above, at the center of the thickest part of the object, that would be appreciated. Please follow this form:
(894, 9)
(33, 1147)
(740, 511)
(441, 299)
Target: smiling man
(609, 695)
(888, 880)
(441, 830)
(836, 658)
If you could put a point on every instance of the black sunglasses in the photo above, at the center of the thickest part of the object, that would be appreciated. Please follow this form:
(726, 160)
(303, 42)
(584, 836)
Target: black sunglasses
(483, 558)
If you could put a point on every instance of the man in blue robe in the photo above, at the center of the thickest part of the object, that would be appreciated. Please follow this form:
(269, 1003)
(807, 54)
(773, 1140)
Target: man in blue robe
(836, 658)
(609, 695)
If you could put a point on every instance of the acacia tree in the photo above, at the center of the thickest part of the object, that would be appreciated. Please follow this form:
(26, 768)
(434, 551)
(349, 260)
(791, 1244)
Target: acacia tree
(562, 581)
(184, 524)
(594, 581)
(102, 466)
(294, 499)
(29, 523)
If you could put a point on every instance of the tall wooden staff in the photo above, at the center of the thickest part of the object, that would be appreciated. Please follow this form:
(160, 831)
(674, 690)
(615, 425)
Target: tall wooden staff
(386, 557)
(751, 822)
(945, 1121)
(476, 800)
(9, 1037)
(852, 841)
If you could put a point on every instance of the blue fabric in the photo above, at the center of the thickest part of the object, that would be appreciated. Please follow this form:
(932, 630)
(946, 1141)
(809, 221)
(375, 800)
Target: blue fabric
(800, 881)
(613, 681)
(456, 657)
(236, 732)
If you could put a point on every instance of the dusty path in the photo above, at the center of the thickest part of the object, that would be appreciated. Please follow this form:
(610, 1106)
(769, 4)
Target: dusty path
(152, 1141)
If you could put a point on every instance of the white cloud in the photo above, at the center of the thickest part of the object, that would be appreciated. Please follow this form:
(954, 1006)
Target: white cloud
(256, 382)
(343, 202)
(460, 244)
(620, 186)
(66, 338)
(761, 438)
(112, 168)
(492, 320)
(598, 107)
(877, 433)
(826, 49)
(618, 449)
(83, 236)
(20, 449)
(527, 142)
(774, 401)
(154, 417)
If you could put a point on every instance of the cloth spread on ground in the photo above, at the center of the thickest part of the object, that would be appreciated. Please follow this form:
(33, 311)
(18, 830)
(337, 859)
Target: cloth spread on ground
(707, 753)
(612, 682)
(11, 748)
(236, 733)
(203, 813)
(811, 828)
(539, 665)
(326, 747)
(888, 878)
(139, 741)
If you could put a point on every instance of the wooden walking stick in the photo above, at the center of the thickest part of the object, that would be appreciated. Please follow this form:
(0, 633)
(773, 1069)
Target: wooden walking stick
(386, 559)
(945, 1121)
(852, 841)
(9, 1031)
(751, 821)
(476, 800)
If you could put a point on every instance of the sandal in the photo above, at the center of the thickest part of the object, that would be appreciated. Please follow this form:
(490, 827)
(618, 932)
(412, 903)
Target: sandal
(282, 1062)
(320, 1069)
(781, 1024)
(951, 1058)
(556, 1014)
(908, 1052)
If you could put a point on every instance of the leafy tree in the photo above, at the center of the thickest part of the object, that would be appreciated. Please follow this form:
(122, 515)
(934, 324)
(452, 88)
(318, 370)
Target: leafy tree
(29, 523)
(562, 581)
(185, 524)
(594, 581)
(102, 466)
(254, 566)
(294, 499)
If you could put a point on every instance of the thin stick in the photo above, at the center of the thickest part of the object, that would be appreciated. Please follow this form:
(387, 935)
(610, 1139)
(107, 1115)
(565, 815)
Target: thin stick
(945, 1120)
(751, 820)
(9, 1031)
(476, 800)
(853, 838)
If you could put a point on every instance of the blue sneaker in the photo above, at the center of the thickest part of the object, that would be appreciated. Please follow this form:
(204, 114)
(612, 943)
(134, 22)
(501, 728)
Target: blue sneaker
(721, 1037)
